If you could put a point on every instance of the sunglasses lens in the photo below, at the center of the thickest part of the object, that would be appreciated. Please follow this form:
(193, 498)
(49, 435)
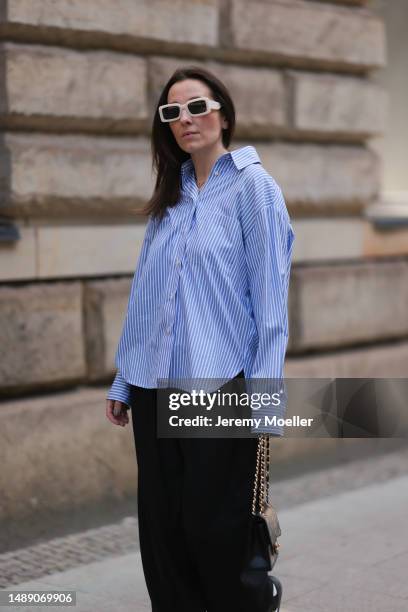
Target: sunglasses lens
(197, 107)
(171, 112)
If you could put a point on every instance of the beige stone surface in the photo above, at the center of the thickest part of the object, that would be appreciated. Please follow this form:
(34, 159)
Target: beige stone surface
(328, 34)
(347, 304)
(66, 251)
(74, 175)
(41, 334)
(88, 250)
(63, 452)
(255, 114)
(327, 239)
(384, 242)
(105, 306)
(100, 86)
(179, 21)
(53, 176)
(337, 105)
(388, 360)
(318, 179)
(331, 239)
(17, 260)
(47, 251)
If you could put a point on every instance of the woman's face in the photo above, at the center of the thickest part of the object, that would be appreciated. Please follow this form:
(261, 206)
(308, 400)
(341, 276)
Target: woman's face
(206, 131)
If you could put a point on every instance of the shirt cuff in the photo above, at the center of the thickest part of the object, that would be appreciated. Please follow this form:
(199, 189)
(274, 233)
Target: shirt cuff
(120, 390)
(268, 405)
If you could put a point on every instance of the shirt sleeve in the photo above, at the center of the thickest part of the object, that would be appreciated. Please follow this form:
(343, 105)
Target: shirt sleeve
(121, 389)
(268, 246)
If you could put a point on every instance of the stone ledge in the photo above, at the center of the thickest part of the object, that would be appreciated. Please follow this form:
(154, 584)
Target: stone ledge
(45, 252)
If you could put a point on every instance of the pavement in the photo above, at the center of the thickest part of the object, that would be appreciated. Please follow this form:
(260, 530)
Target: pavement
(344, 548)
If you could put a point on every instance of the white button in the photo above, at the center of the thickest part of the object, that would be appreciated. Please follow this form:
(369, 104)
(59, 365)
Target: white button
(168, 331)
(217, 173)
(178, 261)
(172, 295)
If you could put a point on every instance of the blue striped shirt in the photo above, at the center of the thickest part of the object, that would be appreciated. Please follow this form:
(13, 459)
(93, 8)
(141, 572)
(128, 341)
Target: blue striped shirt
(210, 291)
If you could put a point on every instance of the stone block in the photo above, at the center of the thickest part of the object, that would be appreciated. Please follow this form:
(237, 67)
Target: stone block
(346, 304)
(337, 105)
(99, 250)
(327, 239)
(331, 239)
(319, 179)
(41, 335)
(164, 21)
(73, 89)
(74, 176)
(305, 33)
(105, 307)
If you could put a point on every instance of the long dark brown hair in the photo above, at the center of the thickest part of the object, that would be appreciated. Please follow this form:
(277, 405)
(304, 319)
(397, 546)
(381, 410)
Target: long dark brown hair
(167, 156)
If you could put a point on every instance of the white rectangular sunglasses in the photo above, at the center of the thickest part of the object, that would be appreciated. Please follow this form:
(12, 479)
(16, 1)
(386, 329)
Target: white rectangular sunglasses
(196, 108)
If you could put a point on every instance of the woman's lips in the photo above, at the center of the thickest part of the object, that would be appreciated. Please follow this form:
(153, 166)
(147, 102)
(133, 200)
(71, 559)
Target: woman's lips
(189, 134)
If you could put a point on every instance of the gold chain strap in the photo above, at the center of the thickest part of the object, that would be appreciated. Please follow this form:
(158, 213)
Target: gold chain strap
(261, 481)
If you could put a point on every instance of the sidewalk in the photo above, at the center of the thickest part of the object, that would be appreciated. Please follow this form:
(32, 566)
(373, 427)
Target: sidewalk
(347, 552)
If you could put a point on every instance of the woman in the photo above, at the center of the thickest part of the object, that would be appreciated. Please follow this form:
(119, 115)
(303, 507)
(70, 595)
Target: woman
(208, 300)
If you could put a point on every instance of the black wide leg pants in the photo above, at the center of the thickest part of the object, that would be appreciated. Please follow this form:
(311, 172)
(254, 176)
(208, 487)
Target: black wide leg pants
(194, 504)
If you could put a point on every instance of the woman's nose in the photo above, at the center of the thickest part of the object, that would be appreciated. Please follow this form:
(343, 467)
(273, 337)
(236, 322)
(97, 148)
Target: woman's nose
(185, 116)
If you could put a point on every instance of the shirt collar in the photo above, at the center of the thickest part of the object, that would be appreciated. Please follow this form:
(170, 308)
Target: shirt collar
(245, 156)
(242, 157)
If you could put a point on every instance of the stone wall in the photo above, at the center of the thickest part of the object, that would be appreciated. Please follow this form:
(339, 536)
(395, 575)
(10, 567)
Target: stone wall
(78, 85)
(78, 82)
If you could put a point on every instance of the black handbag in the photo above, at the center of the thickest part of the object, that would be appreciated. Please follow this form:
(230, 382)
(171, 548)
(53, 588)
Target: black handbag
(263, 548)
